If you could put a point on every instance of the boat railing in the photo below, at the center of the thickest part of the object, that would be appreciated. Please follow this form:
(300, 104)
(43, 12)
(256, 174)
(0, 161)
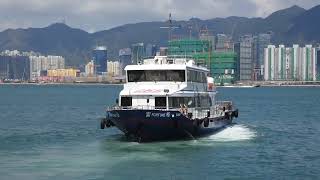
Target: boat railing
(140, 107)
(195, 112)
(222, 106)
(218, 109)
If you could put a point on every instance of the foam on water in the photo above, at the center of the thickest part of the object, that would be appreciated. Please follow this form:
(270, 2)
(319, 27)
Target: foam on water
(234, 133)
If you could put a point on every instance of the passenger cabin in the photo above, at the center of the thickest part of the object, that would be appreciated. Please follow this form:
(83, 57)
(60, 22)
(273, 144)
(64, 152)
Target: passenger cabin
(164, 83)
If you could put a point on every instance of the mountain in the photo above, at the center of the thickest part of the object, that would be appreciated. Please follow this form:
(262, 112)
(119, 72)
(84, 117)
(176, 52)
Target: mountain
(291, 25)
(57, 39)
(306, 27)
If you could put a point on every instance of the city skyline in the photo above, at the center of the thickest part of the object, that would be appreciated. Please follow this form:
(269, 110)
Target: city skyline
(99, 15)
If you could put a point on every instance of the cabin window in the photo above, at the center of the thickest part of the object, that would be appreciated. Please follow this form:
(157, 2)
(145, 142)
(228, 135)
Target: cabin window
(126, 101)
(205, 101)
(196, 76)
(156, 75)
(136, 76)
(174, 102)
(160, 102)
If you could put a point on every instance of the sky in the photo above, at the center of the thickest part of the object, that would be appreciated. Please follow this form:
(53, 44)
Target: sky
(96, 15)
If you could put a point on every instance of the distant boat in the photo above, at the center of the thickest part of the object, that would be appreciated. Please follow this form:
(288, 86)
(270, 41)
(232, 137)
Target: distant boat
(241, 85)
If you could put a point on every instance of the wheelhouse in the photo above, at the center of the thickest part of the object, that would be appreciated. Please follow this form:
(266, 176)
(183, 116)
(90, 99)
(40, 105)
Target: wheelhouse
(163, 84)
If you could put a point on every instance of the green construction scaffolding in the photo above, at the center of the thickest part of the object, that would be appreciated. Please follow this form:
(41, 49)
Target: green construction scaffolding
(222, 65)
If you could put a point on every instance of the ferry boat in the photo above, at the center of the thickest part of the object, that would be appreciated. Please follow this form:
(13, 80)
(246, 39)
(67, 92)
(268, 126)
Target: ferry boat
(167, 98)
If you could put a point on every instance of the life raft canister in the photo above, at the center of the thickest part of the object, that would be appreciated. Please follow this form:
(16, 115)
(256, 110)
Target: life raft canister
(210, 83)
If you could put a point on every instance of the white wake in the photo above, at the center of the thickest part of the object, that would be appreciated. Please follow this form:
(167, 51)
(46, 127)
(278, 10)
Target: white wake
(234, 133)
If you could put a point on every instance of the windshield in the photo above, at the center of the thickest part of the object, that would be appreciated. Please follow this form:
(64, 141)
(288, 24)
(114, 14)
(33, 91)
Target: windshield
(156, 75)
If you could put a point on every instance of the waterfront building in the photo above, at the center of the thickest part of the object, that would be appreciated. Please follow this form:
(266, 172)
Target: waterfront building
(223, 43)
(14, 67)
(44, 63)
(90, 69)
(18, 53)
(250, 56)
(113, 68)
(296, 63)
(262, 42)
(124, 58)
(63, 73)
(163, 51)
(222, 65)
(138, 52)
(318, 64)
(151, 50)
(236, 48)
(100, 57)
(246, 55)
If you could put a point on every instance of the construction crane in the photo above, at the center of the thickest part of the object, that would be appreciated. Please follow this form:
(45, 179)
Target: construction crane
(170, 27)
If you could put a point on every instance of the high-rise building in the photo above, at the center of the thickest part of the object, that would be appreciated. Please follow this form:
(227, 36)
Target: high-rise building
(163, 51)
(296, 63)
(138, 53)
(90, 69)
(262, 42)
(236, 48)
(113, 68)
(44, 63)
(14, 65)
(223, 43)
(151, 50)
(211, 38)
(4, 67)
(124, 58)
(250, 55)
(222, 65)
(318, 64)
(246, 57)
(100, 57)
(225, 62)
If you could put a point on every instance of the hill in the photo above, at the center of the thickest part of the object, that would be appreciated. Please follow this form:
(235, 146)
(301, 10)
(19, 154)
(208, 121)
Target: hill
(291, 25)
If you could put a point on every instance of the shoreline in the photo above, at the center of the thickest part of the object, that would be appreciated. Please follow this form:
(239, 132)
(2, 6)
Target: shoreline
(49, 84)
(121, 84)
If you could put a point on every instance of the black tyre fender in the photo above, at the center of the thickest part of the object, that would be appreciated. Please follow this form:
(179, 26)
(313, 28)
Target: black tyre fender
(108, 124)
(102, 124)
(236, 113)
(227, 115)
(206, 122)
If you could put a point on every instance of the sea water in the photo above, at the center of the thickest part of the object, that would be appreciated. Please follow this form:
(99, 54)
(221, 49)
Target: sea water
(52, 132)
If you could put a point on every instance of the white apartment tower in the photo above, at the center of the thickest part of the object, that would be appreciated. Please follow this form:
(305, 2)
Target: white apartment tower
(43, 63)
(296, 63)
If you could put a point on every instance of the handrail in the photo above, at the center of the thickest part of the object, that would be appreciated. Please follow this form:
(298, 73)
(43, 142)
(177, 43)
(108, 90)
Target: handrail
(218, 109)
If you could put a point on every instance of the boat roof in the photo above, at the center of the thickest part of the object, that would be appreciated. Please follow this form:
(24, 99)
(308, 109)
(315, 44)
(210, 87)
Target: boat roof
(165, 63)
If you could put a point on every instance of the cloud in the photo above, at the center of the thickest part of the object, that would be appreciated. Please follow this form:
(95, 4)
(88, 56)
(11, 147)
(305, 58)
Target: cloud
(94, 15)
